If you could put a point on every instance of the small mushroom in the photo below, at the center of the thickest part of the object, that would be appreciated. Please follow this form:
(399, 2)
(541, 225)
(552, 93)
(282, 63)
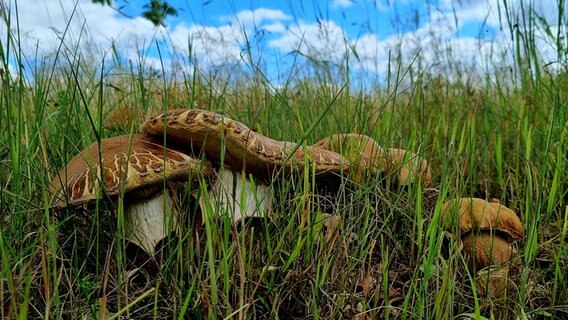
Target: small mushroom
(486, 230)
(123, 118)
(410, 167)
(134, 166)
(241, 154)
(364, 154)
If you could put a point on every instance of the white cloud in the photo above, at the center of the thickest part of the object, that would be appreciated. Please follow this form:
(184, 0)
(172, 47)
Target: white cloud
(225, 44)
(323, 41)
(209, 45)
(430, 53)
(44, 24)
(341, 4)
(434, 47)
(97, 27)
(493, 12)
(257, 16)
(275, 27)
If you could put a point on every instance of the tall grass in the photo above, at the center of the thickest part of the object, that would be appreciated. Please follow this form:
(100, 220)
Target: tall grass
(370, 250)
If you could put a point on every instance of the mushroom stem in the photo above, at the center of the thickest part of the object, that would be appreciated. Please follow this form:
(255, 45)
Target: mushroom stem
(486, 248)
(146, 221)
(493, 282)
(235, 194)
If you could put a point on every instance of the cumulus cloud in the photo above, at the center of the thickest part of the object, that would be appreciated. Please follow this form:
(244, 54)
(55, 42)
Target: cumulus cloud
(208, 45)
(277, 27)
(341, 4)
(96, 28)
(258, 16)
(322, 41)
(435, 45)
(45, 26)
(510, 21)
(494, 14)
(225, 44)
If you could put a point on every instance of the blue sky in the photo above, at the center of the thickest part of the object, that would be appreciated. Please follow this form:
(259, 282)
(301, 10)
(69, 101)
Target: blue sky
(349, 14)
(280, 34)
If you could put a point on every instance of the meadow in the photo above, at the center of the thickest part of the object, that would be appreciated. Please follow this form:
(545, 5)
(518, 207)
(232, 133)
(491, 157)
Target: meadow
(387, 258)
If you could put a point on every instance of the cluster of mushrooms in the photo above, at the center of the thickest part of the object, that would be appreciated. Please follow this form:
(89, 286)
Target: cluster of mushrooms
(238, 164)
(234, 159)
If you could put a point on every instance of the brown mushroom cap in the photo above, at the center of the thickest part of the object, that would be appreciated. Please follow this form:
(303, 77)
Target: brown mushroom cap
(363, 153)
(135, 162)
(208, 132)
(511, 217)
(477, 214)
(411, 166)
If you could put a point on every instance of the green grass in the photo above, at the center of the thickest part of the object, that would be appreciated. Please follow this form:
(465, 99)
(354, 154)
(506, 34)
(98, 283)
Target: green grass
(389, 259)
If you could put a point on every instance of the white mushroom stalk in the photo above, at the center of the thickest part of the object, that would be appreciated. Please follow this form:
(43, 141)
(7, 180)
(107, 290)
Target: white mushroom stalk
(234, 194)
(148, 222)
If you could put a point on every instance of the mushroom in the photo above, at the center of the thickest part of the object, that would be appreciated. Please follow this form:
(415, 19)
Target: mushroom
(410, 167)
(364, 154)
(486, 230)
(134, 166)
(367, 156)
(240, 151)
(122, 119)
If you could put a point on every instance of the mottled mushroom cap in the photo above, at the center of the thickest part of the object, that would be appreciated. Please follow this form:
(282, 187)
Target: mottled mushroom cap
(471, 214)
(363, 153)
(131, 162)
(240, 147)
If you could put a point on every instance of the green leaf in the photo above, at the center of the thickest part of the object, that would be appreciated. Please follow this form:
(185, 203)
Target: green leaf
(157, 11)
(103, 2)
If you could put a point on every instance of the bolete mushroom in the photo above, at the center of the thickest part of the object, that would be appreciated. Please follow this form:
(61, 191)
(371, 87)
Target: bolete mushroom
(409, 166)
(122, 119)
(364, 154)
(239, 151)
(134, 166)
(486, 230)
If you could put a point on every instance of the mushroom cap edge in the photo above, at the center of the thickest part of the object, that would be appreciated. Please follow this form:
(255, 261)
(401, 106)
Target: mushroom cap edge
(477, 214)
